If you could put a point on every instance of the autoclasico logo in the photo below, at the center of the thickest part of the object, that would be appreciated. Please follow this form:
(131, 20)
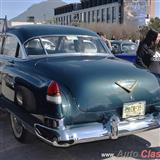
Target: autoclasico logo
(144, 154)
(149, 154)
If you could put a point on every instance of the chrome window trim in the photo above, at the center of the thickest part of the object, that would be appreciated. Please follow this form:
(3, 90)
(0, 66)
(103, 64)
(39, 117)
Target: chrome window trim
(43, 47)
(70, 54)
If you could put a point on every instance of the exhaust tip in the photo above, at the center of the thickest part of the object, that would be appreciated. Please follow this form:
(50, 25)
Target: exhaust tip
(63, 144)
(51, 136)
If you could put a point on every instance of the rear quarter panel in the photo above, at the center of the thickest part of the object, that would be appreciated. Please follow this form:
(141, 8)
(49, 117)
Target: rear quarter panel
(22, 74)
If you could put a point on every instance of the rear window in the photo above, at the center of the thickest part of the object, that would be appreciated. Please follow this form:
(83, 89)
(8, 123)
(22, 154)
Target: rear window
(34, 47)
(129, 48)
(65, 44)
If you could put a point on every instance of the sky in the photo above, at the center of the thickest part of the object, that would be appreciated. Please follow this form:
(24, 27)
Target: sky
(12, 8)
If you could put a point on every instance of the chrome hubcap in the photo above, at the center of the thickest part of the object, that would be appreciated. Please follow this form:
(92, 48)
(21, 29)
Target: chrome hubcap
(16, 126)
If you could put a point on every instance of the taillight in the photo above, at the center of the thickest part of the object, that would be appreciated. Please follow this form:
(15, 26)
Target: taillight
(53, 89)
(53, 93)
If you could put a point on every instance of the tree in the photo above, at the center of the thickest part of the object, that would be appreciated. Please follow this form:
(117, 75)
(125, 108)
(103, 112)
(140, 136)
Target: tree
(155, 23)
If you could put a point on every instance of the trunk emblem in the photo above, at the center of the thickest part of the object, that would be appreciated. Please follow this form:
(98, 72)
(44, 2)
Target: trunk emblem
(127, 85)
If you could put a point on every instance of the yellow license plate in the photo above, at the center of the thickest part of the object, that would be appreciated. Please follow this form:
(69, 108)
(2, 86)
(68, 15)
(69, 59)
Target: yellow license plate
(134, 109)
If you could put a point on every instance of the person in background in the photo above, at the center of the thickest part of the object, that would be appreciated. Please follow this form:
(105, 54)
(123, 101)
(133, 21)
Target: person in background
(113, 38)
(137, 42)
(107, 41)
(155, 62)
(146, 49)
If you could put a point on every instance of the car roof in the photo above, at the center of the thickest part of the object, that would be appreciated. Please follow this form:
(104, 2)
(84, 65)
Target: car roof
(25, 32)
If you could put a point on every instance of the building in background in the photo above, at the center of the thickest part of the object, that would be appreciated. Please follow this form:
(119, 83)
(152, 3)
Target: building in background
(108, 11)
(89, 11)
(135, 12)
(151, 9)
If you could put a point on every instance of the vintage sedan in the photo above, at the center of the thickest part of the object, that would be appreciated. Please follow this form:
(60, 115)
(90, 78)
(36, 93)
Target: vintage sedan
(124, 49)
(63, 85)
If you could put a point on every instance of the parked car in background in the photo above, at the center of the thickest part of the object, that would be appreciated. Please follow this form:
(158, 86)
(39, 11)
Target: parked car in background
(124, 49)
(63, 85)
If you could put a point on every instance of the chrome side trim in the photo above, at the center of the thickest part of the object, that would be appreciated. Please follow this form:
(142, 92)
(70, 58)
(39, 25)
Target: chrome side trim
(82, 133)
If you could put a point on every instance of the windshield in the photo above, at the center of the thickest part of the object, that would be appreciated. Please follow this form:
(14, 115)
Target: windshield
(65, 44)
(129, 48)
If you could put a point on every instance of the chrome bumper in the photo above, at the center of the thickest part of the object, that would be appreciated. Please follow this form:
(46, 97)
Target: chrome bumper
(66, 136)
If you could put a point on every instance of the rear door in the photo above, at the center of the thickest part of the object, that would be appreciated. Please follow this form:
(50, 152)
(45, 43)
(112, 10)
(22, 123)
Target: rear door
(10, 50)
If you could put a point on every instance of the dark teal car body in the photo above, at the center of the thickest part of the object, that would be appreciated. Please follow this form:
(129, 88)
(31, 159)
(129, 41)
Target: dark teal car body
(68, 98)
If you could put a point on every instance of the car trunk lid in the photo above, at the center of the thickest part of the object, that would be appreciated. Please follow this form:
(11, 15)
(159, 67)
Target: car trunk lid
(92, 81)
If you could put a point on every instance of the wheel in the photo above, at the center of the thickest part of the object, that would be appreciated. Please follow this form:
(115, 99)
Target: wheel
(20, 133)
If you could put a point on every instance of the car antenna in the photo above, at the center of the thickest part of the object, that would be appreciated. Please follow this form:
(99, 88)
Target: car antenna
(5, 24)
